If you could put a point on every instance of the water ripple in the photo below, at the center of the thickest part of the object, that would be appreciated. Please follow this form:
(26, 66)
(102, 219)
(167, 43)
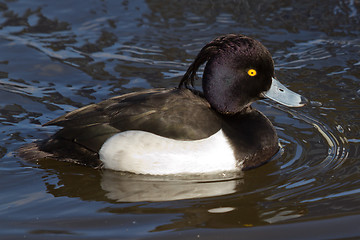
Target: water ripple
(337, 143)
(316, 176)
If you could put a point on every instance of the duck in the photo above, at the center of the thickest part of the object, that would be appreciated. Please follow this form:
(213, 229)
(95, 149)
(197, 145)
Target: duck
(180, 130)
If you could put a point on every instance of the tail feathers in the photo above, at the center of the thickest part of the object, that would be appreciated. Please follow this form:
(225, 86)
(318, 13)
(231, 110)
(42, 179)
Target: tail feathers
(34, 152)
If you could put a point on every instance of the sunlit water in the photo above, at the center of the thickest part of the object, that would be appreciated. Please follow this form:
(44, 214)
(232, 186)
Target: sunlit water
(58, 56)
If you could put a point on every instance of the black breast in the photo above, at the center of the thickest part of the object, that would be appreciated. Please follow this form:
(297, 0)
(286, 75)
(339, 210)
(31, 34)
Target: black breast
(252, 137)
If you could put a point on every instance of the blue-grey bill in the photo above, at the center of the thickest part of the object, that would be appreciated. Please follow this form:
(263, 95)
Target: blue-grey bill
(279, 93)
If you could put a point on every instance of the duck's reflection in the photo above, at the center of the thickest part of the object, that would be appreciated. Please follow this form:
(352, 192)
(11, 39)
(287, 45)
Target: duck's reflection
(113, 186)
(125, 188)
(218, 201)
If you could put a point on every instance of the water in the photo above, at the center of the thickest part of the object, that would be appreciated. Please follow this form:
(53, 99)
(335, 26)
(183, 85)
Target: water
(60, 55)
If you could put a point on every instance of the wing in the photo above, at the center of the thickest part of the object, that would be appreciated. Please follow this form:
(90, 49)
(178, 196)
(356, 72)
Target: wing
(174, 113)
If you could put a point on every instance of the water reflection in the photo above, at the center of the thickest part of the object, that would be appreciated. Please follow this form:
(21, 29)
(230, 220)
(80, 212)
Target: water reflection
(122, 188)
(221, 203)
(126, 187)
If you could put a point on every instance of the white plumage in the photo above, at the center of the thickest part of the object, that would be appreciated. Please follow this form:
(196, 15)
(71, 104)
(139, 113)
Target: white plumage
(147, 153)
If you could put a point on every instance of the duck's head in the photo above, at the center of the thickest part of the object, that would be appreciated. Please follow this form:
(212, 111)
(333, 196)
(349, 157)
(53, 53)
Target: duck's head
(239, 71)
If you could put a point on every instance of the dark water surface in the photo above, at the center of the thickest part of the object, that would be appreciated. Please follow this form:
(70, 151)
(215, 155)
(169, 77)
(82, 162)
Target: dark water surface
(56, 56)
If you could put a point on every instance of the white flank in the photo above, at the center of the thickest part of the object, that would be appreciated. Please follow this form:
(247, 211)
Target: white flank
(146, 153)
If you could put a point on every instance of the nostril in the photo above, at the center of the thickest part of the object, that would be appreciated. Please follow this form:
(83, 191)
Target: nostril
(281, 90)
(304, 100)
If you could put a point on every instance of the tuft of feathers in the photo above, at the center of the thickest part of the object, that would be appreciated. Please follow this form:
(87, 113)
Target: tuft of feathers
(232, 42)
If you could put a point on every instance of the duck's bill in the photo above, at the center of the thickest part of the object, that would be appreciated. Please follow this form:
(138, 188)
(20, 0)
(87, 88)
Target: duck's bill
(279, 93)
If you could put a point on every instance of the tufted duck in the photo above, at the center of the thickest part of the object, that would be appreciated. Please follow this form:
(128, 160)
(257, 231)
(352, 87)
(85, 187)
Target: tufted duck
(180, 130)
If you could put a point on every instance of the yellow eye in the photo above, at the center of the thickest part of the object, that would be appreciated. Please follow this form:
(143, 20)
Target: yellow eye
(251, 72)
